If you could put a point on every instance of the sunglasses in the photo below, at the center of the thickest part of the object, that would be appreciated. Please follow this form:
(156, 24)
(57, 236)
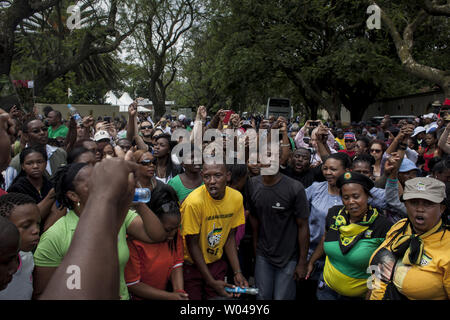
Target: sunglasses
(148, 162)
(146, 127)
(375, 150)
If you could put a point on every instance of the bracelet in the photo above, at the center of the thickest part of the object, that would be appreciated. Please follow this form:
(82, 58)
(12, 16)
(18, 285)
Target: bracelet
(239, 271)
(285, 145)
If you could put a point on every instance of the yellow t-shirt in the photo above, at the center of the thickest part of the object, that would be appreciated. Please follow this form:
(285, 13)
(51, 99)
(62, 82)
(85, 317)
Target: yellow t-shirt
(428, 281)
(211, 219)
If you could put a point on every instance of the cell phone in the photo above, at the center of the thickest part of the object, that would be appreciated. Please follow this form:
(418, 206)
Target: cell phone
(386, 135)
(107, 119)
(314, 123)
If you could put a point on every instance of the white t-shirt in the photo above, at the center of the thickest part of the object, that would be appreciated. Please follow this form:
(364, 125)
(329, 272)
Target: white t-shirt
(21, 285)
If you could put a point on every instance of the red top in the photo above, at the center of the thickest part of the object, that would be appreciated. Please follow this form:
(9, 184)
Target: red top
(427, 158)
(351, 154)
(2, 192)
(153, 263)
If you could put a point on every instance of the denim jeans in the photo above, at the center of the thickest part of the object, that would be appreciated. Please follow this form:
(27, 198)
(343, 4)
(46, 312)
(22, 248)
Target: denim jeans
(274, 283)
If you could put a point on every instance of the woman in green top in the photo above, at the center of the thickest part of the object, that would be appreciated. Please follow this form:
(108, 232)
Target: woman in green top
(72, 191)
(352, 233)
(184, 183)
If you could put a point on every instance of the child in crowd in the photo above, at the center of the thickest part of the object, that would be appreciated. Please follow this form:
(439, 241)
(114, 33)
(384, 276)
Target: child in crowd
(9, 248)
(23, 212)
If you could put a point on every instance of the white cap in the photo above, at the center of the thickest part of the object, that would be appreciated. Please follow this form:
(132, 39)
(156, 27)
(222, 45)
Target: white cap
(181, 117)
(428, 116)
(101, 134)
(418, 130)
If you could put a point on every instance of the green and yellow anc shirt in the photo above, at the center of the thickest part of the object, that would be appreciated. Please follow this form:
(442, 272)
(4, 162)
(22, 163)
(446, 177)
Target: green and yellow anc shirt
(345, 268)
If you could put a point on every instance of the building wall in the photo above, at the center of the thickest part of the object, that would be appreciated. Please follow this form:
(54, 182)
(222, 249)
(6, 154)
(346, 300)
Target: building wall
(417, 105)
(84, 110)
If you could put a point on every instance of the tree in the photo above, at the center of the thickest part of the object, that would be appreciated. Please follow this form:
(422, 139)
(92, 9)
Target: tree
(34, 38)
(159, 44)
(413, 18)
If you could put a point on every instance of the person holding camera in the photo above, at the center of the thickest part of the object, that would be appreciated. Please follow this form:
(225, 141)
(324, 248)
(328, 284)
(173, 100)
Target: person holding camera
(317, 131)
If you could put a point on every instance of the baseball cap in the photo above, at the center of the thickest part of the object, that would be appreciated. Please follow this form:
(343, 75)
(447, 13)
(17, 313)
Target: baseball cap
(101, 135)
(246, 123)
(407, 165)
(349, 136)
(436, 103)
(433, 127)
(181, 117)
(424, 188)
(418, 130)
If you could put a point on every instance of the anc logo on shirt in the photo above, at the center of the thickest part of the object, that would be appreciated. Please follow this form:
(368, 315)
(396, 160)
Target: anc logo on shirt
(214, 236)
(425, 260)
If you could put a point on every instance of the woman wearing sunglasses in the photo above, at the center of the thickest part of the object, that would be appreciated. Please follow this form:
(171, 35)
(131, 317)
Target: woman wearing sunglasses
(376, 150)
(147, 179)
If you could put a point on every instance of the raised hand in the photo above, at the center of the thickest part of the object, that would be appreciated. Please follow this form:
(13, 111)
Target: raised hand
(201, 113)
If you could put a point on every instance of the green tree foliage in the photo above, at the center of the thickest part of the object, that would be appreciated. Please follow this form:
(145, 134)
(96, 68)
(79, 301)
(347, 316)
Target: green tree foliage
(320, 52)
(420, 31)
(37, 43)
(157, 45)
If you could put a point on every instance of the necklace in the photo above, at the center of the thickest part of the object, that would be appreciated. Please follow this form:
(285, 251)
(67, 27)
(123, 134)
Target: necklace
(158, 171)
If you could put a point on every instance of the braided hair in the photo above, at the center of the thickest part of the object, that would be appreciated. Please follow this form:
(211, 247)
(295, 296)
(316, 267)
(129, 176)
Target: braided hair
(63, 181)
(11, 200)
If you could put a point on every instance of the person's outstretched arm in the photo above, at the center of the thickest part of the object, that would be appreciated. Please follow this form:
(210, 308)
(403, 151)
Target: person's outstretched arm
(443, 140)
(92, 260)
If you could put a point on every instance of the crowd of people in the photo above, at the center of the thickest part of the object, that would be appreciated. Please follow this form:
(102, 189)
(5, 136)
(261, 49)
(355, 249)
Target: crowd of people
(351, 212)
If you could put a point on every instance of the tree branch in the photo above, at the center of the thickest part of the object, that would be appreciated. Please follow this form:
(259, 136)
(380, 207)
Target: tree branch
(436, 10)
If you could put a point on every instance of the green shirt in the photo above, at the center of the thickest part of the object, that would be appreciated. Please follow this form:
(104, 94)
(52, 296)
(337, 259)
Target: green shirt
(180, 189)
(61, 131)
(55, 243)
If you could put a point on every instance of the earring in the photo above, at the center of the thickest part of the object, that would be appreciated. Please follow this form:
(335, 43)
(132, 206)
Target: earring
(78, 203)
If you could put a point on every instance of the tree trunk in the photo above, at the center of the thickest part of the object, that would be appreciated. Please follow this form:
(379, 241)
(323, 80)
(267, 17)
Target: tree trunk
(160, 108)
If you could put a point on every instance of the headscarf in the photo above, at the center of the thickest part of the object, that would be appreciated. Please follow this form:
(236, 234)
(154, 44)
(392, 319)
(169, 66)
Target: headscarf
(409, 246)
(351, 233)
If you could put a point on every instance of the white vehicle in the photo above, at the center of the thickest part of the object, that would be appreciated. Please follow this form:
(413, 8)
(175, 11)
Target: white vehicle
(279, 107)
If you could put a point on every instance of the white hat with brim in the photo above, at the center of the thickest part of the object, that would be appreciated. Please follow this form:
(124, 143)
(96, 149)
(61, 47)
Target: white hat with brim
(102, 135)
(418, 130)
